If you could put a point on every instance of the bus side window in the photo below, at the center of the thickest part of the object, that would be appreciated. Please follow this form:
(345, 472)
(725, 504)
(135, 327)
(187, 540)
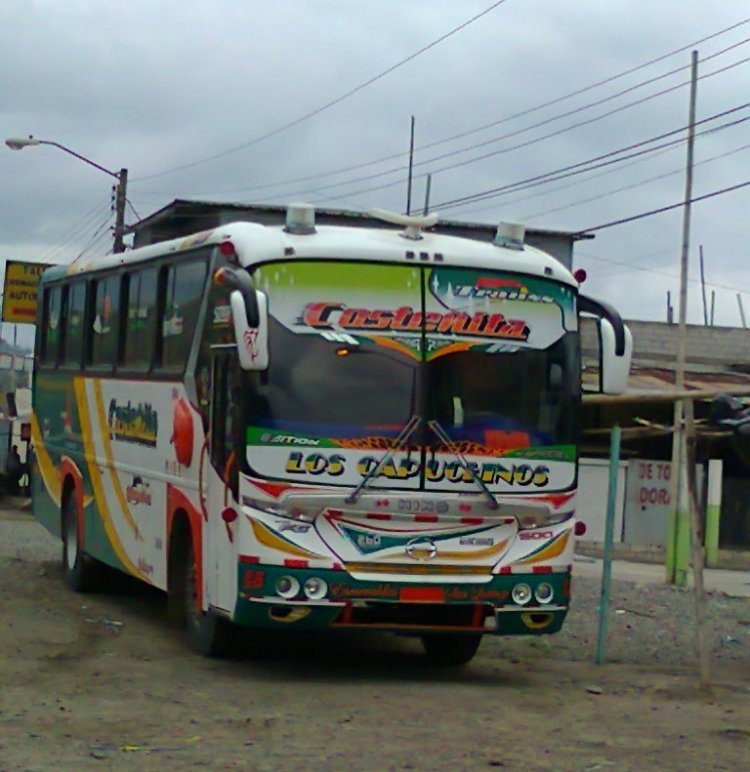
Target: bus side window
(74, 310)
(185, 283)
(141, 289)
(51, 325)
(104, 322)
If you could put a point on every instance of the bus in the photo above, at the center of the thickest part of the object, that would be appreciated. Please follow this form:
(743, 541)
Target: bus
(304, 427)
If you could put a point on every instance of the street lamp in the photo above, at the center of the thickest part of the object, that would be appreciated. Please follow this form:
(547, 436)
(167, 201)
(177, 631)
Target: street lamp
(19, 143)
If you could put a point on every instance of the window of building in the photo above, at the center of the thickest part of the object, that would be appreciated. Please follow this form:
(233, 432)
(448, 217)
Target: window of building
(185, 283)
(105, 322)
(74, 311)
(51, 325)
(140, 321)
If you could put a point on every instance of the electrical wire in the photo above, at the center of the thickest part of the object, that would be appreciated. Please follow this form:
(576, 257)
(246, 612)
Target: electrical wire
(73, 232)
(605, 194)
(659, 210)
(589, 164)
(525, 129)
(330, 104)
(497, 122)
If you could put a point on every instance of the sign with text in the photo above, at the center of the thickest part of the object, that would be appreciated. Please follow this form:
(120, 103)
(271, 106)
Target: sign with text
(20, 292)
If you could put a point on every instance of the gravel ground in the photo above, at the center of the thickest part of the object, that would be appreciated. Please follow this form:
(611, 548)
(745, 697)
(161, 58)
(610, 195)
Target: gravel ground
(648, 623)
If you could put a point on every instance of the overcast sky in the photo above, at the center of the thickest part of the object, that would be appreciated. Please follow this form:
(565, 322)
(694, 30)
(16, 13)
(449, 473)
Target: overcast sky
(155, 85)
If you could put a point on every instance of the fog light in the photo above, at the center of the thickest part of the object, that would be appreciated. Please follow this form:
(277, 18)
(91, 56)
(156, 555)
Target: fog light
(521, 594)
(315, 588)
(287, 587)
(544, 593)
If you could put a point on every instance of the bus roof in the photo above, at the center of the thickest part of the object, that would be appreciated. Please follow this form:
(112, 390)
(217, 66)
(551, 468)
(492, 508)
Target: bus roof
(255, 244)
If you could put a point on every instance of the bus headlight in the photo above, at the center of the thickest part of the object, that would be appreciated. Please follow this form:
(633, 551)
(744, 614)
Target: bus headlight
(287, 587)
(544, 592)
(521, 594)
(315, 588)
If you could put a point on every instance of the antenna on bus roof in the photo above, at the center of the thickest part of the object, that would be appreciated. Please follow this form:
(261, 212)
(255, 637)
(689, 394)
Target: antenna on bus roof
(413, 224)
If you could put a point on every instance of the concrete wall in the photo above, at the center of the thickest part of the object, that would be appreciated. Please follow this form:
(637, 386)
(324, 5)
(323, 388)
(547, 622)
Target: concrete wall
(655, 343)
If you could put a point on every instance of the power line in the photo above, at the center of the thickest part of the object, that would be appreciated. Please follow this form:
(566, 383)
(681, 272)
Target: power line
(525, 129)
(72, 233)
(485, 194)
(589, 164)
(599, 196)
(330, 104)
(497, 122)
(652, 212)
(655, 271)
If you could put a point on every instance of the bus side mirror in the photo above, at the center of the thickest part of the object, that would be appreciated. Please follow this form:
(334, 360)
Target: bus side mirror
(249, 317)
(252, 339)
(614, 363)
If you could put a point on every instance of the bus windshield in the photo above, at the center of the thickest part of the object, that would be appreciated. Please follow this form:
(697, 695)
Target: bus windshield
(429, 364)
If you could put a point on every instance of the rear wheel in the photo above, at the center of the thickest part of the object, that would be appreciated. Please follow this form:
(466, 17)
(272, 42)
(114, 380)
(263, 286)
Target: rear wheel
(79, 569)
(208, 633)
(450, 649)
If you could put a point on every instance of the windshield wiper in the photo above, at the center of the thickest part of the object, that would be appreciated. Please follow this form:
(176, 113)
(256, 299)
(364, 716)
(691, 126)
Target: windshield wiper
(448, 442)
(398, 444)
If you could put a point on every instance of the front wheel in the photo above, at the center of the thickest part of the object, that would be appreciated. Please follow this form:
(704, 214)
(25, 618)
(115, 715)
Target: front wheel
(79, 569)
(450, 649)
(208, 634)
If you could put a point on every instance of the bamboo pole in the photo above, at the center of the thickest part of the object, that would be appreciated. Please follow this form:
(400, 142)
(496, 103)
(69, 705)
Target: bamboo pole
(661, 396)
(609, 530)
(699, 593)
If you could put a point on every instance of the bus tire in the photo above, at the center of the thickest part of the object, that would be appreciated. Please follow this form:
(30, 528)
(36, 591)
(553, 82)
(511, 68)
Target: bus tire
(79, 569)
(208, 634)
(450, 649)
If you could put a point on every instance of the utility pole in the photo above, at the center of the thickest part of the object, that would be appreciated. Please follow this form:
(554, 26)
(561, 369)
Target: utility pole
(678, 536)
(120, 202)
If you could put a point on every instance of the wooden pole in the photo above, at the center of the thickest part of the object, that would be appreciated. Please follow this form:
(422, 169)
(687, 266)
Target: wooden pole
(703, 287)
(676, 559)
(699, 593)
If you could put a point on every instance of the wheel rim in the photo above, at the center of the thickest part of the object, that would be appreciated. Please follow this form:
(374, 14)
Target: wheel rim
(71, 541)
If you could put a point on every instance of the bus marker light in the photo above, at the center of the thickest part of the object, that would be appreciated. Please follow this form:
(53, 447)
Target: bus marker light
(580, 528)
(521, 594)
(287, 587)
(227, 248)
(229, 515)
(315, 588)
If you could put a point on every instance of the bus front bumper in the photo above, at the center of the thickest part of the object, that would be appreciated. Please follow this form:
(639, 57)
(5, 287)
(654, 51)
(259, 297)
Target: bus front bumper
(405, 607)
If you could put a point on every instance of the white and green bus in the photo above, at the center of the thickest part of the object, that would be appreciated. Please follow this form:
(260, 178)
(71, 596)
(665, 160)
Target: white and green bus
(320, 428)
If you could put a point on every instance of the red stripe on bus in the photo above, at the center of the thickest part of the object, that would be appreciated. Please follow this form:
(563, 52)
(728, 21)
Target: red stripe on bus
(541, 569)
(472, 520)
(506, 570)
(249, 559)
(378, 516)
(426, 518)
(294, 563)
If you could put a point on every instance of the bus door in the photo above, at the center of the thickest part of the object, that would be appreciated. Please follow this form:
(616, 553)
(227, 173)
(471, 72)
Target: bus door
(221, 485)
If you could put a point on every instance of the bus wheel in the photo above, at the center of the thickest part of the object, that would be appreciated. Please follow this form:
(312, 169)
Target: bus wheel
(79, 569)
(208, 633)
(449, 648)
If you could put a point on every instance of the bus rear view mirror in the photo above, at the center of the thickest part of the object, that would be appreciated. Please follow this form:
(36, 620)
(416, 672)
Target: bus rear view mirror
(614, 367)
(615, 346)
(252, 340)
(249, 317)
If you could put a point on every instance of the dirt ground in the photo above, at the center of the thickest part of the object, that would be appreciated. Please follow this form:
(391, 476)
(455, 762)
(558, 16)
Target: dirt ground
(102, 682)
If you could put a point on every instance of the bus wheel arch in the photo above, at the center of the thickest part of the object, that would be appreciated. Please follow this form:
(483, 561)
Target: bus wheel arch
(79, 569)
(207, 633)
